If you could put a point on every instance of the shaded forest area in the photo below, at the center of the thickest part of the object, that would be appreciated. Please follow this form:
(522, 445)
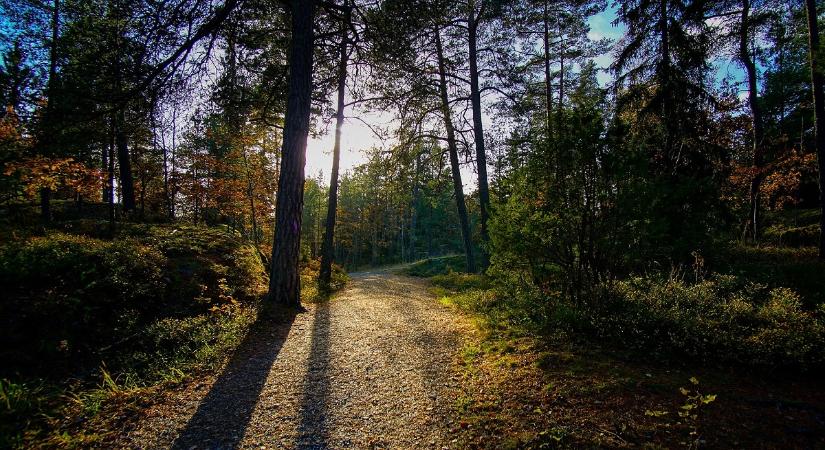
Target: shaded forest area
(659, 194)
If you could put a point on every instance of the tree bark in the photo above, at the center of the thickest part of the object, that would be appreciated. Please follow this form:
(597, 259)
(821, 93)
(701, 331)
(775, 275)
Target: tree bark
(664, 78)
(127, 184)
(110, 176)
(250, 192)
(285, 280)
(478, 133)
(332, 203)
(46, 193)
(817, 81)
(754, 218)
(453, 151)
(548, 76)
(415, 207)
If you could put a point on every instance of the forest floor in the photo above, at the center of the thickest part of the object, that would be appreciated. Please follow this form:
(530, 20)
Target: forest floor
(384, 364)
(372, 367)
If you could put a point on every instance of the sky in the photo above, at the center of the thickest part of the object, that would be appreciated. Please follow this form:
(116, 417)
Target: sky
(357, 137)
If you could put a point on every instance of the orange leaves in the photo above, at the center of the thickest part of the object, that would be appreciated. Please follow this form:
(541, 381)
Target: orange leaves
(781, 184)
(40, 172)
(781, 180)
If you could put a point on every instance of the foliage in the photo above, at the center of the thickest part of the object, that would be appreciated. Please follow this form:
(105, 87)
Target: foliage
(151, 306)
(715, 318)
(311, 291)
(720, 318)
(74, 296)
(695, 402)
(435, 266)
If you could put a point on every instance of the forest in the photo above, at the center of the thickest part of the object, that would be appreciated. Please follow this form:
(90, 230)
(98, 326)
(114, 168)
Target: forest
(565, 224)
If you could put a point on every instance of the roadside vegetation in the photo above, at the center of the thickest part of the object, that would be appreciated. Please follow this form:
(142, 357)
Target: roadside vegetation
(685, 357)
(95, 322)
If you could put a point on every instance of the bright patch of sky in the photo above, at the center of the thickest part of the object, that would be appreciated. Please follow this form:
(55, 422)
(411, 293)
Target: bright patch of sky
(358, 137)
(602, 27)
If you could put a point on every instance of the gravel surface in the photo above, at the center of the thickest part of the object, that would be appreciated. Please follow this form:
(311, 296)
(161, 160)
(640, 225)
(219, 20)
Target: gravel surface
(371, 368)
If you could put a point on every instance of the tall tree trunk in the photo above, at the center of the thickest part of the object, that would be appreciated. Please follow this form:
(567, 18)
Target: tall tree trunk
(756, 115)
(174, 186)
(415, 207)
(46, 193)
(478, 133)
(110, 176)
(104, 166)
(548, 75)
(332, 202)
(560, 109)
(817, 81)
(664, 78)
(458, 187)
(166, 198)
(250, 192)
(127, 183)
(285, 280)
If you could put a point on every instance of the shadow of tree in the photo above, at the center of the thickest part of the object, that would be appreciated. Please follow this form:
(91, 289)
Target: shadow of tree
(313, 431)
(224, 414)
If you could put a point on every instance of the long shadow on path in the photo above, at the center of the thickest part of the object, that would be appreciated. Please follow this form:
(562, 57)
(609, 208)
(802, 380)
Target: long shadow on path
(224, 414)
(313, 431)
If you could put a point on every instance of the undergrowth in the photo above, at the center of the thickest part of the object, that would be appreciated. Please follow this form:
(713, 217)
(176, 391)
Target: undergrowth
(92, 325)
(714, 318)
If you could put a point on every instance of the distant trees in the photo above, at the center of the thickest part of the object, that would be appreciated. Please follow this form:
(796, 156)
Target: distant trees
(200, 111)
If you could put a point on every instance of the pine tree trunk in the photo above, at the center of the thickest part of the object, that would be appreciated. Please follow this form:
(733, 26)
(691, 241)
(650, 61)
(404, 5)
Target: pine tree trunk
(110, 176)
(415, 207)
(127, 184)
(458, 187)
(478, 135)
(332, 203)
(46, 193)
(756, 115)
(817, 81)
(548, 76)
(250, 192)
(285, 281)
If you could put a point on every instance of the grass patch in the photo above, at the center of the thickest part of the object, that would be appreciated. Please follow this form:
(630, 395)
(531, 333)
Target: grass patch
(537, 377)
(436, 266)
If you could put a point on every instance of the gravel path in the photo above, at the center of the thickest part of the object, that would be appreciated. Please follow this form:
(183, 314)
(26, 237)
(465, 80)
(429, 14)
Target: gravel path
(369, 369)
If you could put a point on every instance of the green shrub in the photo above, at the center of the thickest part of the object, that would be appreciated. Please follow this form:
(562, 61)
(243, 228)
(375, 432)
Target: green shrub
(311, 290)
(67, 297)
(149, 306)
(437, 266)
(718, 318)
(797, 268)
(802, 236)
(721, 318)
(458, 281)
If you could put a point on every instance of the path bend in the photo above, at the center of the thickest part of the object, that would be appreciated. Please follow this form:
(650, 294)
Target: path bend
(371, 368)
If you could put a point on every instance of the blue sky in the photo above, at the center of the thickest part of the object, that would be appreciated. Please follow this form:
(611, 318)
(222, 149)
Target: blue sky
(601, 26)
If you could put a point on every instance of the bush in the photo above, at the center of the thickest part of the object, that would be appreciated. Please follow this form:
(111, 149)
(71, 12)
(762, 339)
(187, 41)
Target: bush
(311, 291)
(802, 236)
(67, 297)
(155, 303)
(721, 318)
(437, 266)
(798, 268)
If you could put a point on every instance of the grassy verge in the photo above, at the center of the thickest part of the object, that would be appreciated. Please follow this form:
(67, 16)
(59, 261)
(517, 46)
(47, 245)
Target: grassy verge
(534, 380)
